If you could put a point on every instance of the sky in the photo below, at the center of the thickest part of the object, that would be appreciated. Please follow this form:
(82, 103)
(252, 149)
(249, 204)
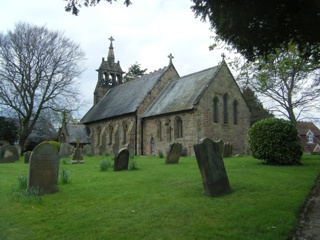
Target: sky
(146, 32)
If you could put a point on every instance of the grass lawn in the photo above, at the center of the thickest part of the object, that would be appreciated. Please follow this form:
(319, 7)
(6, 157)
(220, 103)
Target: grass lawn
(159, 201)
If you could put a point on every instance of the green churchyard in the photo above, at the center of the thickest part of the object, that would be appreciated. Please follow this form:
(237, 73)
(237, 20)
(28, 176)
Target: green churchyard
(157, 201)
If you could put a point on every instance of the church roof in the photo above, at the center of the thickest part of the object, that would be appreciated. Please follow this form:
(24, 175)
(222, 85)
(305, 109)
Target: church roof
(182, 94)
(124, 98)
(78, 132)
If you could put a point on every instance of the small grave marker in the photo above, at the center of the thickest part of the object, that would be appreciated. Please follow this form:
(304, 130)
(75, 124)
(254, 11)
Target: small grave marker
(174, 153)
(121, 161)
(8, 154)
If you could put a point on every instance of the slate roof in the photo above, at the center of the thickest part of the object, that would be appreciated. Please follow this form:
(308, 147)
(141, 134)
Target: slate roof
(124, 98)
(78, 131)
(183, 93)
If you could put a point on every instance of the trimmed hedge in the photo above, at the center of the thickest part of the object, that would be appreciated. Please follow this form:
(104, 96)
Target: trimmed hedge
(275, 141)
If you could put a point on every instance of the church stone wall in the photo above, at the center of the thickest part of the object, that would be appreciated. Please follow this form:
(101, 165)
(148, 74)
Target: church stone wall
(109, 136)
(170, 74)
(199, 122)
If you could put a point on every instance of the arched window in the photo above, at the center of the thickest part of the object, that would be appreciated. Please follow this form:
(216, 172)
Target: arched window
(178, 127)
(225, 109)
(168, 129)
(124, 131)
(98, 135)
(110, 130)
(159, 130)
(215, 109)
(235, 112)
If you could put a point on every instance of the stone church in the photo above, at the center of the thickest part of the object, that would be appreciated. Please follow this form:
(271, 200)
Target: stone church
(147, 114)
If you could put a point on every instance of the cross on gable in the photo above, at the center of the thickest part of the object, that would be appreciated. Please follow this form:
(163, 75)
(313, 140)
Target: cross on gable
(170, 56)
(223, 56)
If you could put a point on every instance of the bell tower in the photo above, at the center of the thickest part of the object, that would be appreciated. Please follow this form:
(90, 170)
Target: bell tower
(109, 75)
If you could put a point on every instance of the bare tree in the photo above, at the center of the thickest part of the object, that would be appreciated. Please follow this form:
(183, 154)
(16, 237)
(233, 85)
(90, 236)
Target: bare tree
(39, 69)
(290, 81)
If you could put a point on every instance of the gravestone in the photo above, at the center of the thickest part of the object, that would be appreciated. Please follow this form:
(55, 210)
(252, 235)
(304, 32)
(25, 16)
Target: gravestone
(174, 153)
(87, 149)
(65, 150)
(221, 145)
(8, 154)
(211, 166)
(77, 155)
(227, 150)
(44, 168)
(27, 156)
(121, 161)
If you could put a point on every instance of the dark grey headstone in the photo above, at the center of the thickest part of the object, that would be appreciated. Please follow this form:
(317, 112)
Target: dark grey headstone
(44, 168)
(87, 149)
(174, 153)
(121, 161)
(27, 157)
(65, 150)
(8, 154)
(227, 150)
(211, 166)
(221, 145)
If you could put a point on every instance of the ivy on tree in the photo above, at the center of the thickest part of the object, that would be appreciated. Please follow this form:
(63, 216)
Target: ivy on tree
(8, 130)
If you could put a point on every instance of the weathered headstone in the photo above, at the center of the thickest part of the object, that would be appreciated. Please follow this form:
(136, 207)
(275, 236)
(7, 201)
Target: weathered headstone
(87, 149)
(121, 161)
(174, 153)
(211, 166)
(77, 156)
(65, 150)
(8, 154)
(227, 150)
(44, 168)
(27, 156)
(221, 145)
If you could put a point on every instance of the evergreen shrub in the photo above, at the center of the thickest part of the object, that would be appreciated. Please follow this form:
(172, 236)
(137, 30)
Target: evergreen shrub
(275, 141)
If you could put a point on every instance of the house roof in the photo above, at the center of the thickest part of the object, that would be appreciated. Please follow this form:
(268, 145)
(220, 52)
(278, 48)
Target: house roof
(77, 132)
(124, 98)
(182, 94)
(304, 127)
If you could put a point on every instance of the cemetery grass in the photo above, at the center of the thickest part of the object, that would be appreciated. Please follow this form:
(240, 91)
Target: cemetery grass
(159, 201)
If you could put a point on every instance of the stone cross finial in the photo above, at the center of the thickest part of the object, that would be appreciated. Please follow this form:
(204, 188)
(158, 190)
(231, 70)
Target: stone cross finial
(223, 56)
(170, 56)
(111, 39)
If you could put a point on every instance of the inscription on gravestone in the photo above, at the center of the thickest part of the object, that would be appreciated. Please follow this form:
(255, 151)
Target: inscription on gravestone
(211, 166)
(121, 161)
(174, 153)
(44, 168)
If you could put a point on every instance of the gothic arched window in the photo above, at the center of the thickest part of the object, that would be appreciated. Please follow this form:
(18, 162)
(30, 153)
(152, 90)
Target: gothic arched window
(235, 112)
(215, 109)
(159, 130)
(168, 130)
(225, 109)
(98, 135)
(110, 130)
(178, 131)
(124, 130)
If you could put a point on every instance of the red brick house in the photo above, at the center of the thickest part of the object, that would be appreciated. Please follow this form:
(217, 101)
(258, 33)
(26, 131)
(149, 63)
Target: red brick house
(309, 136)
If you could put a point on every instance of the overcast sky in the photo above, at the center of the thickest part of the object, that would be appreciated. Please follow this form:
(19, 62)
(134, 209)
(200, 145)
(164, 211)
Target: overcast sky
(145, 32)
